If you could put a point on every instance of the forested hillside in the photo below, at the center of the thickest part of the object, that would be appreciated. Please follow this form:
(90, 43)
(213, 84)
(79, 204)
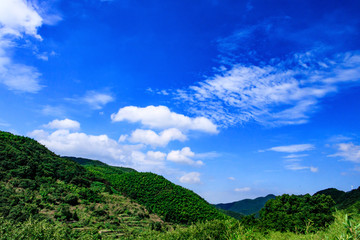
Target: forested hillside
(246, 206)
(36, 183)
(44, 196)
(342, 199)
(175, 203)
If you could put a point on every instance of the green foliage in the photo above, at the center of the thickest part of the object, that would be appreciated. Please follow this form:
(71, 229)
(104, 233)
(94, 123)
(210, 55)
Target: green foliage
(297, 213)
(352, 229)
(246, 206)
(232, 214)
(175, 203)
(44, 196)
(342, 199)
(344, 227)
(24, 158)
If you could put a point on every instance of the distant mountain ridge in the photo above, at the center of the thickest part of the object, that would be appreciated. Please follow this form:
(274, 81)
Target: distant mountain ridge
(246, 206)
(342, 199)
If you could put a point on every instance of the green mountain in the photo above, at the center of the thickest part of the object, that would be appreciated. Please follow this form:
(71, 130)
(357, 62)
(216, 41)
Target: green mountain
(342, 199)
(88, 195)
(175, 203)
(44, 196)
(246, 206)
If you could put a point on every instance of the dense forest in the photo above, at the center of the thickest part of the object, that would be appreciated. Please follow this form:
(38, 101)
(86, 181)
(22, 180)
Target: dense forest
(45, 196)
(246, 206)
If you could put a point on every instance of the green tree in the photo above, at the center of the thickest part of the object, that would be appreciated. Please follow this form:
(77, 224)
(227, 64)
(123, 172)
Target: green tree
(297, 213)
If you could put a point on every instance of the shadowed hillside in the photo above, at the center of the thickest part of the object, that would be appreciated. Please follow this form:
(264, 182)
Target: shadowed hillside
(246, 206)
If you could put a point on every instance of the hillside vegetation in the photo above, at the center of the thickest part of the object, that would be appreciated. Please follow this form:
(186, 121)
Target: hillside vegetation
(342, 199)
(93, 197)
(175, 203)
(246, 206)
(44, 196)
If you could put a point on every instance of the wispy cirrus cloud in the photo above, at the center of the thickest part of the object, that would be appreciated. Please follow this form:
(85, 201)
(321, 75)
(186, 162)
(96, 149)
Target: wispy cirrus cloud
(298, 166)
(95, 99)
(348, 152)
(293, 156)
(269, 73)
(292, 149)
(244, 189)
(293, 161)
(279, 93)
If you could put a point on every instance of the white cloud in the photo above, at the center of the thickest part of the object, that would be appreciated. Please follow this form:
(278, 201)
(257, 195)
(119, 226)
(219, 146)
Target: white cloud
(97, 100)
(63, 124)
(183, 156)
(348, 151)
(297, 167)
(150, 137)
(161, 117)
(280, 93)
(244, 189)
(100, 147)
(151, 161)
(293, 148)
(19, 77)
(231, 178)
(123, 138)
(18, 18)
(291, 156)
(191, 178)
(80, 144)
(156, 155)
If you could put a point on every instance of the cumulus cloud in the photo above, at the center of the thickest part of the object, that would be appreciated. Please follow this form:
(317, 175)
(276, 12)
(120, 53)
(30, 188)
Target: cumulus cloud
(161, 117)
(100, 147)
(18, 18)
(280, 93)
(150, 161)
(63, 124)
(68, 143)
(348, 152)
(150, 137)
(244, 189)
(191, 178)
(183, 156)
(293, 148)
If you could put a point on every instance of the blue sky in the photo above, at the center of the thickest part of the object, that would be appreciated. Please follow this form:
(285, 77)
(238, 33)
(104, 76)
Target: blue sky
(231, 99)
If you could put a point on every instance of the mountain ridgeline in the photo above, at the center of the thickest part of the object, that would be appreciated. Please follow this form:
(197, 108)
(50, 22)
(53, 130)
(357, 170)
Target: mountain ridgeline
(342, 199)
(45, 196)
(246, 206)
(34, 180)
